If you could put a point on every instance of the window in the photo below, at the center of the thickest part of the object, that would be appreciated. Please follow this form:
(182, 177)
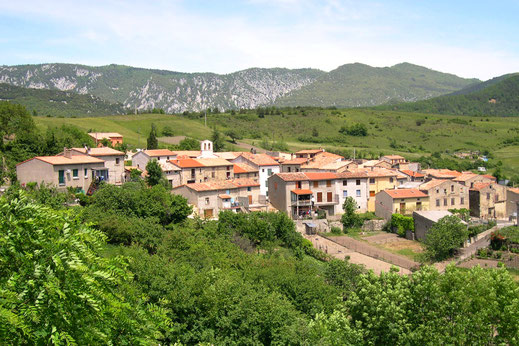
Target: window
(75, 173)
(445, 201)
(207, 200)
(391, 179)
(289, 169)
(488, 195)
(158, 158)
(452, 188)
(462, 200)
(444, 191)
(298, 184)
(329, 197)
(61, 175)
(316, 184)
(117, 160)
(269, 171)
(358, 193)
(358, 181)
(438, 202)
(372, 193)
(263, 170)
(328, 183)
(249, 188)
(228, 168)
(86, 173)
(227, 192)
(437, 190)
(344, 183)
(452, 201)
(266, 183)
(168, 158)
(372, 180)
(275, 186)
(213, 174)
(344, 193)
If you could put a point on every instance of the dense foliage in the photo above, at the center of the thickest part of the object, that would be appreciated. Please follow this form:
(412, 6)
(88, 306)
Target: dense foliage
(400, 224)
(243, 280)
(445, 237)
(350, 218)
(497, 98)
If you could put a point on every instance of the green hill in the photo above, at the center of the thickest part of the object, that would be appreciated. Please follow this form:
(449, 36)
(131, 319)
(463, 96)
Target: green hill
(58, 103)
(496, 97)
(359, 85)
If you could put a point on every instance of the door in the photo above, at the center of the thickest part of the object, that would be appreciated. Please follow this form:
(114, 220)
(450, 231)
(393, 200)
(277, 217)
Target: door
(319, 197)
(250, 199)
(61, 177)
(418, 205)
(208, 213)
(329, 196)
(402, 208)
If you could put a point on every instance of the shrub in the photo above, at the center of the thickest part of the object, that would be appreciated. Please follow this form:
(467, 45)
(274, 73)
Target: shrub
(336, 230)
(400, 224)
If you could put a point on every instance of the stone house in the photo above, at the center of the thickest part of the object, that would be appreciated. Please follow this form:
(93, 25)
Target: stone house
(202, 170)
(424, 220)
(141, 159)
(393, 160)
(265, 165)
(512, 200)
(243, 170)
(488, 201)
(412, 175)
(209, 198)
(114, 161)
(76, 171)
(113, 137)
(446, 194)
(400, 201)
(469, 179)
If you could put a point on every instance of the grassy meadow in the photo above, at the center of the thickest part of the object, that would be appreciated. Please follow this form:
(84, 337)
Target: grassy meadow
(409, 134)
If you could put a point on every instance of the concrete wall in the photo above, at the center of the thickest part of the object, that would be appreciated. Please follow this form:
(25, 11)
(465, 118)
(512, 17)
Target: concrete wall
(140, 160)
(350, 189)
(489, 202)
(115, 170)
(422, 225)
(379, 184)
(204, 174)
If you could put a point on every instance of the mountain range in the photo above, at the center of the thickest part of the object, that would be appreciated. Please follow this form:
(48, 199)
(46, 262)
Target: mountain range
(496, 97)
(350, 85)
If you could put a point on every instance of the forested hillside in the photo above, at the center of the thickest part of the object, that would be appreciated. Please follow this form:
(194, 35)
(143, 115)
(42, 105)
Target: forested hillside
(58, 103)
(359, 85)
(497, 97)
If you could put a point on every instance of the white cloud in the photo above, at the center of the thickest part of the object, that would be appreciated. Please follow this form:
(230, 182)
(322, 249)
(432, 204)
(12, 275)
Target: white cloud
(301, 33)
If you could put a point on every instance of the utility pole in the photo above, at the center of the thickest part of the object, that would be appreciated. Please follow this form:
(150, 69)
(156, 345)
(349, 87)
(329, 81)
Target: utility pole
(353, 154)
(205, 117)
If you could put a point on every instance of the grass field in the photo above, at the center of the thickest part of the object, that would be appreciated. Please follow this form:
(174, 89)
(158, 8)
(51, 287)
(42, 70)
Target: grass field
(410, 134)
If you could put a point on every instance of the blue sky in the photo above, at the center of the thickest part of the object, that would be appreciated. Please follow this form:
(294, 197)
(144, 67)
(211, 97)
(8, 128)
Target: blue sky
(467, 38)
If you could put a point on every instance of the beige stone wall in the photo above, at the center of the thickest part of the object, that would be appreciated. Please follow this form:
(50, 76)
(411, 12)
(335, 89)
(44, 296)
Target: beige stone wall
(115, 170)
(205, 174)
(492, 202)
(449, 195)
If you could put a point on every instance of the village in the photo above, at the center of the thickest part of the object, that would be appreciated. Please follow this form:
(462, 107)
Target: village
(306, 185)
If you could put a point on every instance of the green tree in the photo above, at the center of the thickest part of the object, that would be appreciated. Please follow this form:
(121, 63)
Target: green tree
(350, 218)
(216, 138)
(189, 143)
(154, 175)
(56, 288)
(233, 134)
(445, 237)
(167, 131)
(153, 142)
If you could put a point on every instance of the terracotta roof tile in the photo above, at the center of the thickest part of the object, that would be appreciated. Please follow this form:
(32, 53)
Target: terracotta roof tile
(514, 189)
(465, 176)
(159, 152)
(244, 168)
(412, 173)
(295, 161)
(103, 135)
(187, 163)
(405, 193)
(320, 175)
(221, 185)
(442, 173)
(292, 176)
(479, 186)
(432, 184)
(260, 159)
(187, 153)
(309, 151)
(62, 160)
(104, 151)
(394, 157)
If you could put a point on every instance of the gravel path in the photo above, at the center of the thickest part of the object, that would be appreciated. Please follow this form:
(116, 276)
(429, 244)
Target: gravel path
(339, 251)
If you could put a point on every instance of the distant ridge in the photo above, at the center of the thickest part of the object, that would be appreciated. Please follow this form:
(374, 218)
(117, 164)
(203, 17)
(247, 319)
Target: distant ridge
(58, 103)
(350, 85)
(496, 97)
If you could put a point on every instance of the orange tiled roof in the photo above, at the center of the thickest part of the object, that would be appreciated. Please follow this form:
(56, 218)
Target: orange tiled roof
(302, 192)
(188, 153)
(187, 163)
(479, 186)
(295, 161)
(380, 173)
(320, 175)
(221, 185)
(405, 193)
(224, 196)
(297, 176)
(103, 135)
(432, 184)
(104, 151)
(412, 173)
(442, 173)
(394, 157)
(62, 160)
(260, 159)
(465, 176)
(514, 189)
(159, 152)
(489, 176)
(309, 151)
(244, 168)
(352, 174)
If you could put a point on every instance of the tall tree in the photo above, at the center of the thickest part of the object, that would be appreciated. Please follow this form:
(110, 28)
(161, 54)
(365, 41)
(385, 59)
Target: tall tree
(216, 137)
(153, 142)
(155, 174)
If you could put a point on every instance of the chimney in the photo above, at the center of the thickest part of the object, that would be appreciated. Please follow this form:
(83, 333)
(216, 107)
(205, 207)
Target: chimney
(67, 153)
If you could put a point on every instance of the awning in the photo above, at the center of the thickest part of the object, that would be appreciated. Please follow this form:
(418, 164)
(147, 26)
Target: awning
(302, 192)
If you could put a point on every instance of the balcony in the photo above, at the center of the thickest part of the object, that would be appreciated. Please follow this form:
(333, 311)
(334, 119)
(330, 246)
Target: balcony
(328, 201)
(301, 197)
